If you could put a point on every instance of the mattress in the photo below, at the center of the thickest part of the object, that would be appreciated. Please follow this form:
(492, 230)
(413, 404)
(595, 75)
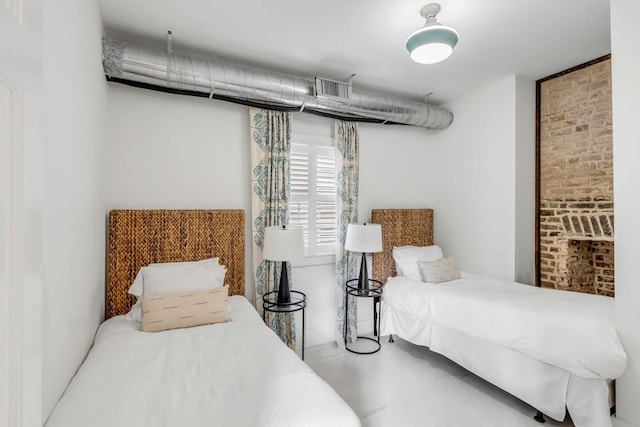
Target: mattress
(569, 330)
(231, 374)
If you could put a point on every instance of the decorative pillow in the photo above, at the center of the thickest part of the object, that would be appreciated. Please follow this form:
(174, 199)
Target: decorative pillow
(442, 270)
(407, 257)
(185, 309)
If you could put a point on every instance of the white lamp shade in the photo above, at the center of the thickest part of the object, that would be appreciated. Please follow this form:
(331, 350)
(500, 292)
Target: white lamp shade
(365, 238)
(283, 244)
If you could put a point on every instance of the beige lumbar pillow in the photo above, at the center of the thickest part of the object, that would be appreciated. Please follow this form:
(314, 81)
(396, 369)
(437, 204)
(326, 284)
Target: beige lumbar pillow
(442, 270)
(184, 309)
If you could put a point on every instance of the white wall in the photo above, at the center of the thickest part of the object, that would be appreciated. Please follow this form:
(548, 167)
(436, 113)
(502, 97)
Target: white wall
(525, 202)
(625, 64)
(21, 142)
(318, 282)
(73, 218)
(466, 173)
(169, 151)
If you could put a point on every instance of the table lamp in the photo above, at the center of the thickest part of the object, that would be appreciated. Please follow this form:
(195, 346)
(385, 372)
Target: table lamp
(283, 244)
(365, 238)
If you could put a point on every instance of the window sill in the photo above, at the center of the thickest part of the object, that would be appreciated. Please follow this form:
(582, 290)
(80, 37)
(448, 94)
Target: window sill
(314, 260)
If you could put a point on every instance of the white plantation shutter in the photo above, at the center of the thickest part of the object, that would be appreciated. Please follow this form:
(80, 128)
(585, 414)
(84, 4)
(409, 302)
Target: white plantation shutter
(299, 196)
(312, 203)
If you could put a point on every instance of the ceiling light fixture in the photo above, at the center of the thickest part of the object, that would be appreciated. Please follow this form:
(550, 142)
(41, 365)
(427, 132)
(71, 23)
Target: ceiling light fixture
(434, 42)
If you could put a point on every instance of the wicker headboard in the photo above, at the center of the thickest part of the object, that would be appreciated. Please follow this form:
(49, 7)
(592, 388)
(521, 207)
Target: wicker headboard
(141, 237)
(400, 227)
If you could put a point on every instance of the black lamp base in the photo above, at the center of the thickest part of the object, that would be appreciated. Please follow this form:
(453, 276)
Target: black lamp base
(363, 278)
(284, 294)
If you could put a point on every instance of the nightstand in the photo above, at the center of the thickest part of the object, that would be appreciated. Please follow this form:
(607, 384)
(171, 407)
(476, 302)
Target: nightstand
(298, 303)
(375, 291)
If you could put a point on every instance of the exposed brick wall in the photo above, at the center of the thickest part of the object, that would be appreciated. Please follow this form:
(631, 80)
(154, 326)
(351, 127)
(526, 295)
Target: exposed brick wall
(576, 181)
(576, 156)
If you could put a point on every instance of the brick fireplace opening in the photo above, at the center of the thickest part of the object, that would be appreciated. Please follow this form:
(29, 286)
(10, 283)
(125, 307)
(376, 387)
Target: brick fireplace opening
(590, 266)
(577, 248)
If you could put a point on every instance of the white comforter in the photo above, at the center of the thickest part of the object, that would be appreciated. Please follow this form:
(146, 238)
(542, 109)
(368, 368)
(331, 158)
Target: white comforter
(570, 330)
(233, 374)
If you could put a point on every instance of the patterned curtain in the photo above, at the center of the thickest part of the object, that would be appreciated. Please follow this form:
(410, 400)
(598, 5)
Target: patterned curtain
(270, 149)
(347, 169)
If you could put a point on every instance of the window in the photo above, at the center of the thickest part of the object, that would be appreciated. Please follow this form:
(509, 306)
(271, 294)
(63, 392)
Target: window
(313, 192)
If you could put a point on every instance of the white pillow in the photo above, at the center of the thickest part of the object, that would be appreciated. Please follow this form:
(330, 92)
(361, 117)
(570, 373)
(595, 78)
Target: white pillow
(136, 311)
(189, 277)
(407, 257)
(207, 273)
(137, 288)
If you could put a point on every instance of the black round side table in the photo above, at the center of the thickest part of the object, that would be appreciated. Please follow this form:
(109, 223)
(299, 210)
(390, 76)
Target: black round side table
(374, 291)
(298, 302)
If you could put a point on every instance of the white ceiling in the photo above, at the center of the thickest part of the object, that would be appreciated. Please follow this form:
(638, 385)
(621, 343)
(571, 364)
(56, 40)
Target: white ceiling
(337, 38)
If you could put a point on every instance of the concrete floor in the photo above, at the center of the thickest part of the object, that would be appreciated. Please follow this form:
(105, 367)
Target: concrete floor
(405, 385)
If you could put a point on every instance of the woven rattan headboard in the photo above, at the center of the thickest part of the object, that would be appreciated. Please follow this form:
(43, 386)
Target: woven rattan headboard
(141, 237)
(400, 227)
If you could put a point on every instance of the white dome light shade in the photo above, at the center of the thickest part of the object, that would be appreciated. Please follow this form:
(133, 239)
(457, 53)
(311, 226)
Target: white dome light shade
(432, 44)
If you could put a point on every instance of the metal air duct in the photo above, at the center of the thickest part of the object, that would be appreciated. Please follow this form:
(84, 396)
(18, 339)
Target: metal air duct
(157, 69)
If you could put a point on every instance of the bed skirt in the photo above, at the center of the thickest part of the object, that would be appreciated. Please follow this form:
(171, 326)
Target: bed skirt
(547, 388)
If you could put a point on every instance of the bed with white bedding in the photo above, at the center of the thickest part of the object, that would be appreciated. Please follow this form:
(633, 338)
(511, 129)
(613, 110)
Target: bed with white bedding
(202, 376)
(552, 349)
(233, 373)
